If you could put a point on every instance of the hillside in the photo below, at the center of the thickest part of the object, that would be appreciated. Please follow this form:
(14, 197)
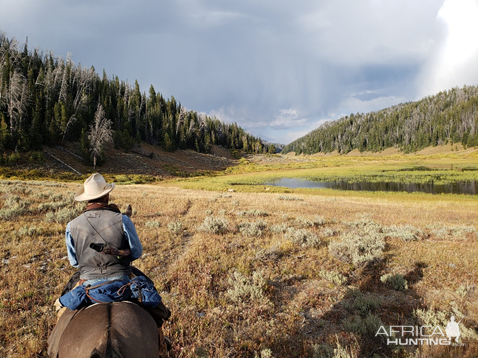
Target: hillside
(448, 117)
(48, 101)
(145, 159)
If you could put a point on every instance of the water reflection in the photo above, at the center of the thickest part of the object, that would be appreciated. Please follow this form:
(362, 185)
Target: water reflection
(468, 187)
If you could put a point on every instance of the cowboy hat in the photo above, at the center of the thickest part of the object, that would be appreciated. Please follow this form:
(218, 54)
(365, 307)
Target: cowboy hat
(95, 187)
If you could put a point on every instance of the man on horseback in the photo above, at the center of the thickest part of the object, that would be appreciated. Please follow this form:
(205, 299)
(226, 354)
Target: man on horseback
(100, 225)
(102, 242)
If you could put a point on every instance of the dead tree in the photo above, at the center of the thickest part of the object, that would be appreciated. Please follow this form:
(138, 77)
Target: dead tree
(100, 133)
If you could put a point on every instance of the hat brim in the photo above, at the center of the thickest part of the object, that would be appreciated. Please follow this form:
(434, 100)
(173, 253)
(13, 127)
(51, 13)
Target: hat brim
(82, 196)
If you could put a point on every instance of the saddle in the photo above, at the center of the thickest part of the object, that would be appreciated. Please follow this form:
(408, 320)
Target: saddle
(142, 292)
(160, 313)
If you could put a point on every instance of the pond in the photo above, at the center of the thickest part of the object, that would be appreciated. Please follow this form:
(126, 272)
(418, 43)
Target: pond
(470, 188)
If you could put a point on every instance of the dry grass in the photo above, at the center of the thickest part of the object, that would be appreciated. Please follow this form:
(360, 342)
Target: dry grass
(235, 294)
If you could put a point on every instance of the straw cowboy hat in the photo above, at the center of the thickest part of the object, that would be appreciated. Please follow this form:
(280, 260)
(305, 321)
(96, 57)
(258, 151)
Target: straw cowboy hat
(95, 187)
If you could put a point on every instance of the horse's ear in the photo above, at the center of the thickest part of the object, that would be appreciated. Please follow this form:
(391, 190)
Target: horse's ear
(95, 354)
(129, 211)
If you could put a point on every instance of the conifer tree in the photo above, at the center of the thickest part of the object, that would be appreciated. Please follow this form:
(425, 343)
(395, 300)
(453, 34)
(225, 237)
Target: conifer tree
(100, 134)
(45, 100)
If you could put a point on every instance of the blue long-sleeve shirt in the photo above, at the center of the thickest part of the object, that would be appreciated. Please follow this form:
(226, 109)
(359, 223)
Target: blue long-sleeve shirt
(130, 233)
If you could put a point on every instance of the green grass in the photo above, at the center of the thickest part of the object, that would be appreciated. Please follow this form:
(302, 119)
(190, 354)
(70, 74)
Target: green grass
(420, 169)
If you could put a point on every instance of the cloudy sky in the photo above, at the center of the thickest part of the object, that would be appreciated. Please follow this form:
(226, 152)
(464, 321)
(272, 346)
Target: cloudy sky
(278, 68)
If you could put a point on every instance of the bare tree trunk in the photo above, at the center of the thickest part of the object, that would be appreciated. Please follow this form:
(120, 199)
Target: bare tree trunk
(100, 133)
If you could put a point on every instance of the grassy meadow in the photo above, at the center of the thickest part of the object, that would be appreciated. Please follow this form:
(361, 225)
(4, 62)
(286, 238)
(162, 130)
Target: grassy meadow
(265, 272)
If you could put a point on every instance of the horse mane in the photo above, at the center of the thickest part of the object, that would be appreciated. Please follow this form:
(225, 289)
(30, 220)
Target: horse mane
(111, 349)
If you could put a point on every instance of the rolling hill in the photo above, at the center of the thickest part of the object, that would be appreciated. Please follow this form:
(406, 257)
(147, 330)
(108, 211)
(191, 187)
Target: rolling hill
(447, 117)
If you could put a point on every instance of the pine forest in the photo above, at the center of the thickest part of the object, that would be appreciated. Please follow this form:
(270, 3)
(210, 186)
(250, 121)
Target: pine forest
(448, 117)
(46, 100)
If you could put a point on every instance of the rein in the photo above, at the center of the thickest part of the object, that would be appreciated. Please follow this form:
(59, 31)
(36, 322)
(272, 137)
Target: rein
(120, 291)
(88, 288)
(124, 287)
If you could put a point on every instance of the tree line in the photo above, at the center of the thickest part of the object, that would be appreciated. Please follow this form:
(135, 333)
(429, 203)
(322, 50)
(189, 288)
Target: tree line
(47, 100)
(448, 117)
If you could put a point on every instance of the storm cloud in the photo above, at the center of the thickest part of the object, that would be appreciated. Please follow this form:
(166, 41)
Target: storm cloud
(277, 68)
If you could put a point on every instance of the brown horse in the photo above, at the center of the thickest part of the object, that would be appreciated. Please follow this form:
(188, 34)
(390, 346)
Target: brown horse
(113, 330)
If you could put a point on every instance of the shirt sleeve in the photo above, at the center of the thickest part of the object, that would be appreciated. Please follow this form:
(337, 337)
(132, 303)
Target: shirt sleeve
(133, 240)
(70, 247)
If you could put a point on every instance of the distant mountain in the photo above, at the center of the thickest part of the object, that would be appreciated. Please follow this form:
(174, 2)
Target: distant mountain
(449, 116)
(277, 146)
(46, 100)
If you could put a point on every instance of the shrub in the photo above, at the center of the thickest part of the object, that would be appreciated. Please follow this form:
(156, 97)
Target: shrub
(397, 282)
(252, 228)
(11, 212)
(358, 249)
(328, 232)
(326, 351)
(245, 289)
(36, 157)
(254, 213)
(302, 237)
(322, 351)
(122, 178)
(303, 222)
(42, 195)
(175, 228)
(334, 277)
(152, 224)
(454, 232)
(463, 291)
(405, 233)
(51, 206)
(431, 317)
(361, 303)
(439, 231)
(460, 231)
(316, 221)
(58, 197)
(13, 207)
(439, 318)
(278, 229)
(291, 198)
(28, 231)
(63, 215)
(364, 244)
(214, 225)
(367, 326)
(265, 353)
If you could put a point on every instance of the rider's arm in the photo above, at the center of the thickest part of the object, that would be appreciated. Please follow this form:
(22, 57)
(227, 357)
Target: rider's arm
(133, 240)
(70, 247)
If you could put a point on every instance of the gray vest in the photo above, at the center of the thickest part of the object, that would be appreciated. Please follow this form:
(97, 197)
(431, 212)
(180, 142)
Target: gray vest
(98, 226)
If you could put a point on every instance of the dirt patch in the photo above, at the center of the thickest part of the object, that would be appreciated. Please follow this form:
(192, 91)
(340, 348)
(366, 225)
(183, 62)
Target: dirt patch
(145, 159)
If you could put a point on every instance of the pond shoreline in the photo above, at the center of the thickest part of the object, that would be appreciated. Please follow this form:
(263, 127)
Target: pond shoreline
(460, 187)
